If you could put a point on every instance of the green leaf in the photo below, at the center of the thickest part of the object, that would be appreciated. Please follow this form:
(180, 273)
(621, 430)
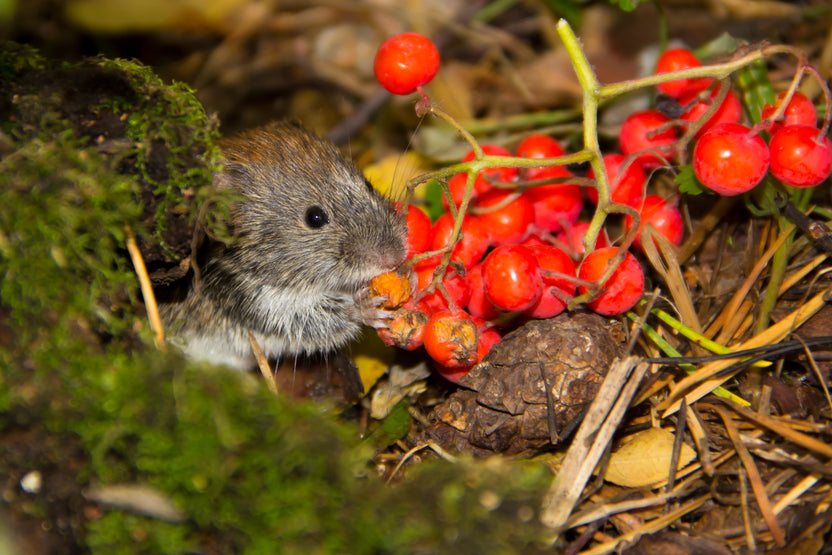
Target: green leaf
(433, 199)
(687, 182)
(721, 46)
(764, 199)
(756, 89)
(626, 5)
(394, 427)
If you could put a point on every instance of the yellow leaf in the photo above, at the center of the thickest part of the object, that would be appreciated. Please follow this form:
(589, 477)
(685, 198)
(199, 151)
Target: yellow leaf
(122, 16)
(372, 357)
(390, 175)
(645, 459)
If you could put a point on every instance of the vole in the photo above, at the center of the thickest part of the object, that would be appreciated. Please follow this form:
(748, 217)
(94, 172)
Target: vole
(310, 234)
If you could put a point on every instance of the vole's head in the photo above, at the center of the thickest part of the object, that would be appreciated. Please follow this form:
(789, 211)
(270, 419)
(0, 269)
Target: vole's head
(311, 221)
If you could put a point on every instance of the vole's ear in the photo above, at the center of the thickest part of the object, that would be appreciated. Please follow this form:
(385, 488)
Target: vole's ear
(230, 174)
(222, 181)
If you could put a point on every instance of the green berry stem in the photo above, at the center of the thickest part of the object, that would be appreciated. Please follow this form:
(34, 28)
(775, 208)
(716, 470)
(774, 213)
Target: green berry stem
(781, 108)
(493, 161)
(441, 114)
(668, 349)
(591, 89)
(484, 161)
(693, 128)
(780, 261)
(592, 95)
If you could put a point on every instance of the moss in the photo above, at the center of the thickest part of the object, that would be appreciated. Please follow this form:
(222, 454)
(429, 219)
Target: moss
(254, 472)
(170, 131)
(156, 136)
(86, 399)
(61, 229)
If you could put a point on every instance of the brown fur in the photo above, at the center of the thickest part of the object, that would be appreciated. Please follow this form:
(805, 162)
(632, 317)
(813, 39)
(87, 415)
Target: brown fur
(295, 287)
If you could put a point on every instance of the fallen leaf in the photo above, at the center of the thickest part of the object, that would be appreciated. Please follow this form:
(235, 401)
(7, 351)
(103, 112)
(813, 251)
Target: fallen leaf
(402, 382)
(372, 358)
(645, 459)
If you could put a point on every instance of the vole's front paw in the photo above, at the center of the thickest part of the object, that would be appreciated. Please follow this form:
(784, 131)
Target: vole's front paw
(383, 296)
(371, 312)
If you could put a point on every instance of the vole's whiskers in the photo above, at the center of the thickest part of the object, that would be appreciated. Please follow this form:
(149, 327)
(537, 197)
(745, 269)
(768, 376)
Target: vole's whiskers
(405, 168)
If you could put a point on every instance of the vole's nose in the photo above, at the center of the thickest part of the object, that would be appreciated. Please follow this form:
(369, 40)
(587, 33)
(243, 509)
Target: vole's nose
(390, 260)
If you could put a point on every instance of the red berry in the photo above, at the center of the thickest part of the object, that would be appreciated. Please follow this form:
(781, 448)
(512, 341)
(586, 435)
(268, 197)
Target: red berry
(799, 157)
(419, 231)
(492, 175)
(406, 329)
(512, 278)
(457, 286)
(506, 214)
(479, 305)
(469, 249)
(799, 111)
(638, 133)
(554, 204)
(730, 160)
(730, 111)
(621, 291)
(552, 259)
(451, 339)
(453, 375)
(662, 215)
(489, 336)
(675, 59)
(539, 146)
(532, 240)
(405, 62)
(573, 237)
(626, 188)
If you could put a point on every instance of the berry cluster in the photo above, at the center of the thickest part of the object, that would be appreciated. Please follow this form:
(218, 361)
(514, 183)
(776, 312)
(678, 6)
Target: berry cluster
(520, 252)
(520, 256)
(730, 158)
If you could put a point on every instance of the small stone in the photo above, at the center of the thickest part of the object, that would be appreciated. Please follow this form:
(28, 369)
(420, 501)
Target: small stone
(31, 482)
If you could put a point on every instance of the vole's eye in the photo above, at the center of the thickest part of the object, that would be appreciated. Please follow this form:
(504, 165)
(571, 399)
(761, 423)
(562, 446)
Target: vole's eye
(369, 186)
(316, 218)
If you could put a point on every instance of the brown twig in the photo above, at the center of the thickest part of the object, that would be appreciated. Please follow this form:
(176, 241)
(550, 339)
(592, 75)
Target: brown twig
(817, 232)
(147, 289)
(763, 502)
(263, 363)
(591, 440)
